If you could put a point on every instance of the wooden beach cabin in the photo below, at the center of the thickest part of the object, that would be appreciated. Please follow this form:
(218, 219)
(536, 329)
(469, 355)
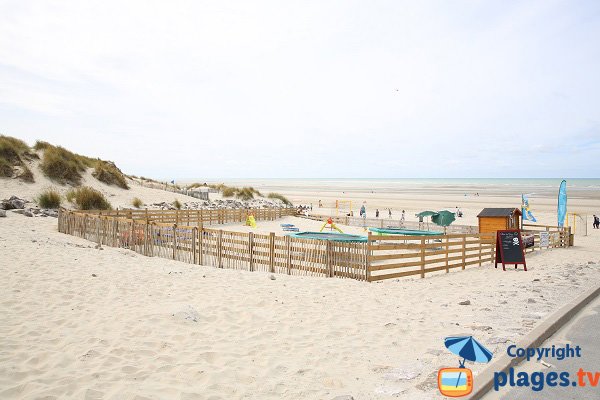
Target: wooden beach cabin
(495, 219)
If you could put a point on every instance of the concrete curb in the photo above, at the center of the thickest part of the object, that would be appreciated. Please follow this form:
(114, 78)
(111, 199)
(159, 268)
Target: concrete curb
(485, 380)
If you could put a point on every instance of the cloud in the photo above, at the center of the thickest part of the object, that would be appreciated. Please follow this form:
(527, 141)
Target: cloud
(318, 88)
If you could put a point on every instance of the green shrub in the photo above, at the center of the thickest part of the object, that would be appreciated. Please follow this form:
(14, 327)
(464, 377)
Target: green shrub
(137, 202)
(177, 204)
(50, 198)
(62, 165)
(87, 198)
(108, 173)
(280, 197)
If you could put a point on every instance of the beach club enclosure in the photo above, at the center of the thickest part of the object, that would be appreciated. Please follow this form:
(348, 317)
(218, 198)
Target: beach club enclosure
(498, 219)
(189, 236)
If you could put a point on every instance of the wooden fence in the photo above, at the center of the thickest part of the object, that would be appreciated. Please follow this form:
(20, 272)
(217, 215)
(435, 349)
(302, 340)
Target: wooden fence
(398, 256)
(181, 235)
(197, 217)
(219, 248)
(557, 237)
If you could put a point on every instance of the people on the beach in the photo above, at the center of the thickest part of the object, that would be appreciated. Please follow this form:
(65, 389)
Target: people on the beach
(320, 204)
(363, 211)
(596, 222)
(402, 217)
(390, 213)
(377, 213)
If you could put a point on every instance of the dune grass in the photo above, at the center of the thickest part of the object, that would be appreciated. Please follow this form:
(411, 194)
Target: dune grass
(280, 197)
(177, 204)
(61, 165)
(137, 202)
(108, 173)
(12, 152)
(87, 198)
(49, 198)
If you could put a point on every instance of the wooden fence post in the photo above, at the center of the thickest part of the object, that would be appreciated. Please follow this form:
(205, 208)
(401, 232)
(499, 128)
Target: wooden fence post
(200, 243)
(479, 244)
(272, 252)
(251, 251)
(368, 258)
(174, 240)
(447, 251)
(288, 248)
(132, 237)
(423, 257)
(464, 250)
(220, 249)
(194, 236)
(329, 258)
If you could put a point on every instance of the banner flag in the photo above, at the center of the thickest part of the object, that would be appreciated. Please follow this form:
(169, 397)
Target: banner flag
(527, 215)
(562, 203)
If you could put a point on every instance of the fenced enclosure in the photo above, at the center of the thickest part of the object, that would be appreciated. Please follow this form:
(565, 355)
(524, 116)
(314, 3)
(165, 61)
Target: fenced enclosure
(181, 235)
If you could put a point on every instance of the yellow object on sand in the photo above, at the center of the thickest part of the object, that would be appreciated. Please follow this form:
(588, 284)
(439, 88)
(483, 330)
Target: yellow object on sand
(331, 225)
(250, 221)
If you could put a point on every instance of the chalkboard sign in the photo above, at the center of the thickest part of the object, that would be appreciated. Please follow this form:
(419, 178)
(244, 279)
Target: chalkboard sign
(509, 248)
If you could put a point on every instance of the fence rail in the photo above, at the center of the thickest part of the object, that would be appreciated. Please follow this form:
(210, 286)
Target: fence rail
(181, 235)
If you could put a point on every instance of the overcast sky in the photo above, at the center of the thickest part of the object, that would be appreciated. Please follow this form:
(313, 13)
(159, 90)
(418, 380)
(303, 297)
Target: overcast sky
(225, 89)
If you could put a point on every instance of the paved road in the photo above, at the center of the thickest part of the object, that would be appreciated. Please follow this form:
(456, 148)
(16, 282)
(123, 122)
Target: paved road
(584, 331)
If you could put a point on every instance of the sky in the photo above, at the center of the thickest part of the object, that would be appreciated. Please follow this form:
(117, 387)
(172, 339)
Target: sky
(308, 89)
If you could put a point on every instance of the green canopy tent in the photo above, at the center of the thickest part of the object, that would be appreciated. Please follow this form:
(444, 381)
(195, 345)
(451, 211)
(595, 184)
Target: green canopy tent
(442, 218)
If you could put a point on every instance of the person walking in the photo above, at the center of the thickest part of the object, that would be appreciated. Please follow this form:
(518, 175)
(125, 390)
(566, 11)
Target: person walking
(390, 213)
(402, 217)
(596, 222)
(363, 211)
(377, 213)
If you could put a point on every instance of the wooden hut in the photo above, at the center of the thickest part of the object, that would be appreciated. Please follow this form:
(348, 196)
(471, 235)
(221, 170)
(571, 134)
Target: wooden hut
(495, 219)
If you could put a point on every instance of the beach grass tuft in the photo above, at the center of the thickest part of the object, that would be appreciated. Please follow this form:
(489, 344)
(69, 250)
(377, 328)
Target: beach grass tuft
(108, 173)
(49, 198)
(12, 152)
(137, 202)
(87, 198)
(61, 165)
(177, 204)
(280, 197)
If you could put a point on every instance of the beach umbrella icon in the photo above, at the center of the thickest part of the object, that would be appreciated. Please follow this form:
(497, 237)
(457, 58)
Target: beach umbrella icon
(469, 349)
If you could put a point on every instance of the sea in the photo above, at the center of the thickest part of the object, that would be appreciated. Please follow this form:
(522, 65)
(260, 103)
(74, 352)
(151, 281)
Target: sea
(576, 187)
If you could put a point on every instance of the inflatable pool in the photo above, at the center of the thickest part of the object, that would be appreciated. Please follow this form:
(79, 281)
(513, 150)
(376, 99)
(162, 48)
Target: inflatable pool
(336, 237)
(405, 232)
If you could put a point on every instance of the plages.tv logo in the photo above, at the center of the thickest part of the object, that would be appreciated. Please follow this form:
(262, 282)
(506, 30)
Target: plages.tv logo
(458, 382)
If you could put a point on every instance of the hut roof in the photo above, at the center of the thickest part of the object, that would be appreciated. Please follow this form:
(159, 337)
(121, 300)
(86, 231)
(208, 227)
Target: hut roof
(498, 212)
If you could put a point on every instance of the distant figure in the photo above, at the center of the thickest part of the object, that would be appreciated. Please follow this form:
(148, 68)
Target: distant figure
(403, 216)
(377, 213)
(310, 206)
(390, 213)
(458, 212)
(363, 211)
(596, 222)
(320, 204)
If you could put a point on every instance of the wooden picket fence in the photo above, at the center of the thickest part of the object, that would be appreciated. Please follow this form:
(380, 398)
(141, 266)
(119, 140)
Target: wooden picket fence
(215, 247)
(181, 235)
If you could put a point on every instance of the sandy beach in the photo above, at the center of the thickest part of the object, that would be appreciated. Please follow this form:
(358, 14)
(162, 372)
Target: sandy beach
(80, 322)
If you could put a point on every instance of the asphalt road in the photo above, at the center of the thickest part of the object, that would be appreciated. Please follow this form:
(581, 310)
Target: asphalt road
(584, 331)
